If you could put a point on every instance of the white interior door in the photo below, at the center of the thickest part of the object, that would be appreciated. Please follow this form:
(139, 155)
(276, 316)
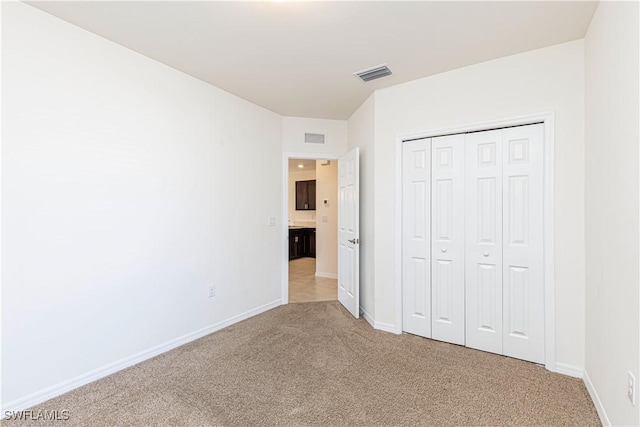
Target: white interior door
(416, 237)
(349, 232)
(447, 238)
(483, 229)
(523, 255)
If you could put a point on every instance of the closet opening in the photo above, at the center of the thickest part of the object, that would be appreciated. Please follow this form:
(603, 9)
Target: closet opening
(475, 237)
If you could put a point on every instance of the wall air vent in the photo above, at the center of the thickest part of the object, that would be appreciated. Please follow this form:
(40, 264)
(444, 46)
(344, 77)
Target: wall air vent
(374, 73)
(313, 138)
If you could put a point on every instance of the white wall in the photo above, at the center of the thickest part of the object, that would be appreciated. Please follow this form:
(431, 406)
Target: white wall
(550, 79)
(612, 208)
(294, 128)
(125, 192)
(304, 217)
(361, 131)
(327, 231)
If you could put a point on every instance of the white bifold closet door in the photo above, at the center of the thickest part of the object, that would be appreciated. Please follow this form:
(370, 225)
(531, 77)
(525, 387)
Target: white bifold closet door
(473, 271)
(503, 239)
(416, 237)
(483, 240)
(447, 238)
(522, 237)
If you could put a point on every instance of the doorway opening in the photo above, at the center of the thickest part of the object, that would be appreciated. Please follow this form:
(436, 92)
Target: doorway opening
(312, 218)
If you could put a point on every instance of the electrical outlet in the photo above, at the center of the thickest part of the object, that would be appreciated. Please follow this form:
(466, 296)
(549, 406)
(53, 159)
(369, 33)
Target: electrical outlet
(212, 291)
(631, 388)
(271, 222)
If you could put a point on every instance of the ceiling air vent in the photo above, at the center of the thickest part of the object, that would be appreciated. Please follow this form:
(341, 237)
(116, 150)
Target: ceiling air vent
(313, 138)
(374, 73)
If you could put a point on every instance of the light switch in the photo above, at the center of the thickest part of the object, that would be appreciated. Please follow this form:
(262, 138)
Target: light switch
(272, 221)
(325, 218)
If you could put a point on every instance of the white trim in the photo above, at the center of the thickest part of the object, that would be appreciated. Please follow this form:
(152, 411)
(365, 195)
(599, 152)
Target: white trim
(368, 318)
(284, 290)
(398, 231)
(326, 275)
(604, 419)
(1, 266)
(95, 374)
(569, 370)
(386, 327)
(549, 245)
(478, 126)
(548, 119)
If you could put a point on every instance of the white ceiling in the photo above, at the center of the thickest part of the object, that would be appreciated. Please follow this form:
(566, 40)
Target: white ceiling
(307, 165)
(297, 58)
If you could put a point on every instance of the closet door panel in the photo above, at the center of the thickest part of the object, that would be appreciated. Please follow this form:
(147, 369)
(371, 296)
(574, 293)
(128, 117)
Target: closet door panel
(523, 334)
(447, 221)
(483, 240)
(416, 237)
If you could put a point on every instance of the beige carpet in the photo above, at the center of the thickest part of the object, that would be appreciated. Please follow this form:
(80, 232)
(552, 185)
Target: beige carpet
(313, 364)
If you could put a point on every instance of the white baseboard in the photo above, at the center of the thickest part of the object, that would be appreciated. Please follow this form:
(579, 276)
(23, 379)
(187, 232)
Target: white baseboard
(386, 327)
(326, 275)
(368, 318)
(604, 419)
(570, 370)
(95, 374)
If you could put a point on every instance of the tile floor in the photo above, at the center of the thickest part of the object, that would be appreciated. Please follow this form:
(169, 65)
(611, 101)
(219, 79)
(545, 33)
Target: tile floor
(304, 286)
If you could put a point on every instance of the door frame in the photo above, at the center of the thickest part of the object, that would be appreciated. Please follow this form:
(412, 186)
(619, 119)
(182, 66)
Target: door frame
(285, 213)
(547, 119)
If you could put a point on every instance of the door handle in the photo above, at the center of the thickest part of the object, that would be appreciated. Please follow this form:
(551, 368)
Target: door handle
(354, 241)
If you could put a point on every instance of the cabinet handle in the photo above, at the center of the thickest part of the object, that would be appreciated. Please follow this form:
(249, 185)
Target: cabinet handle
(443, 250)
(486, 254)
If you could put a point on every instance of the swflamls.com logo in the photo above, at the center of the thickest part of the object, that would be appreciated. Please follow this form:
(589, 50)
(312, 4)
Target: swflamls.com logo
(31, 415)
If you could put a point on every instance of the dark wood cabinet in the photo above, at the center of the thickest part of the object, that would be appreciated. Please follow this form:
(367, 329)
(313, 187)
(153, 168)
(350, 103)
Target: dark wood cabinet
(311, 243)
(296, 243)
(306, 195)
(302, 243)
